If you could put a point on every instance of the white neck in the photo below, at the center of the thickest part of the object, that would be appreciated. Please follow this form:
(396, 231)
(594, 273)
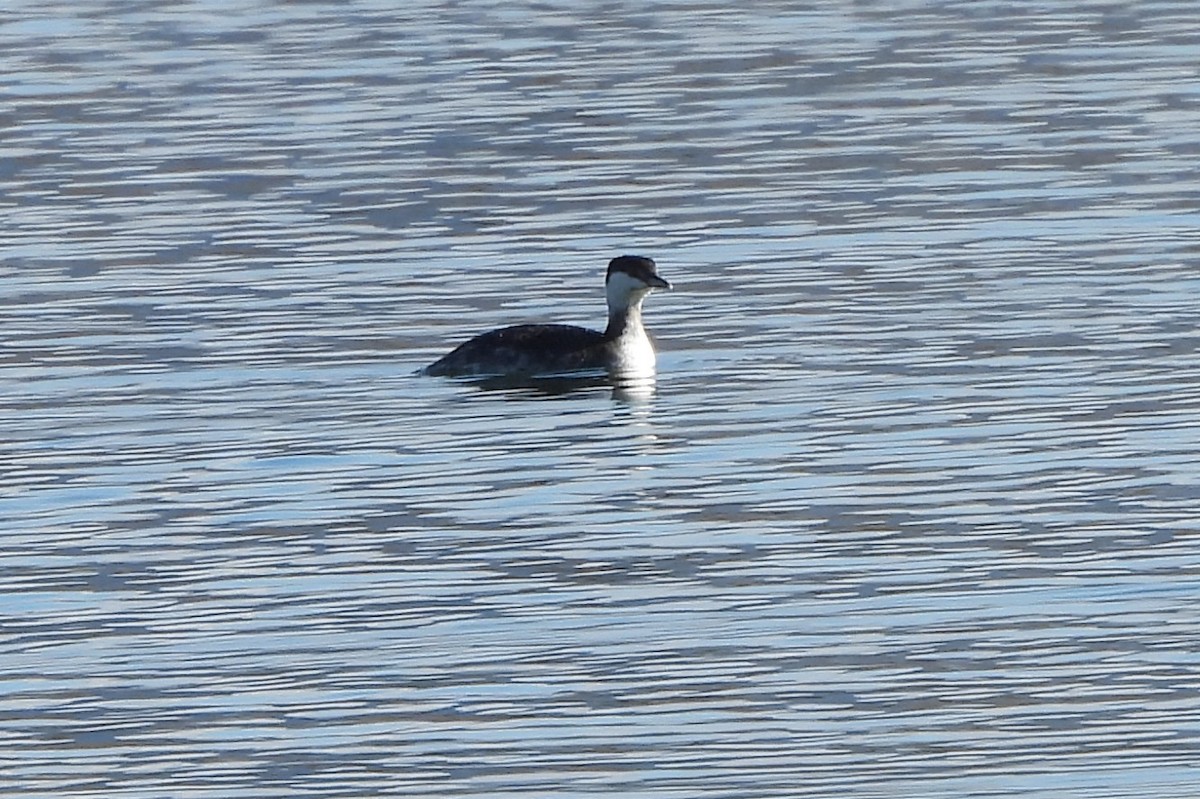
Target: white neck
(632, 351)
(625, 295)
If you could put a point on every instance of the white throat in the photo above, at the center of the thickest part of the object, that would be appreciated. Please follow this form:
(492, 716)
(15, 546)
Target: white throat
(632, 352)
(624, 292)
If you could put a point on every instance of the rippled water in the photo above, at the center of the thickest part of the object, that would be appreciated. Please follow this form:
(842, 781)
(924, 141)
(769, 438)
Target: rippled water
(911, 511)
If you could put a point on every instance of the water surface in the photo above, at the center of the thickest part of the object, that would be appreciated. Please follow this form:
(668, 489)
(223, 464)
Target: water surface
(910, 511)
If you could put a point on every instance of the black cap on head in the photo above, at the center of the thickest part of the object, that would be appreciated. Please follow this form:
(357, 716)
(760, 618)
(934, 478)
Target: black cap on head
(638, 267)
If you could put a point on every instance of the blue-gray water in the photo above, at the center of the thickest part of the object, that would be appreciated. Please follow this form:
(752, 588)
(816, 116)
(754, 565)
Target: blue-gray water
(911, 511)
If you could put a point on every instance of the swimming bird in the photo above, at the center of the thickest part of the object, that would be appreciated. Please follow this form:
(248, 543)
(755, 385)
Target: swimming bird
(622, 349)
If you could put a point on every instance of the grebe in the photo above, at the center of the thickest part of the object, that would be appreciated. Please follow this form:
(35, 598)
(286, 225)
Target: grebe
(622, 349)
